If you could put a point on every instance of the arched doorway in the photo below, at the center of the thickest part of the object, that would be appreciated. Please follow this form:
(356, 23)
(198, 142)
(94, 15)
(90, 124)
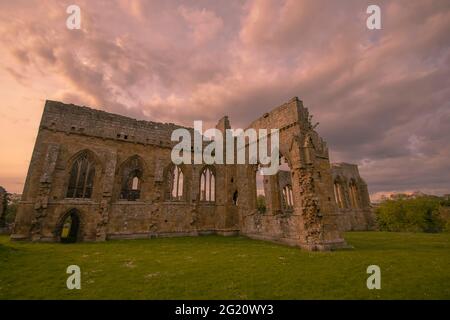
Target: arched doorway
(69, 228)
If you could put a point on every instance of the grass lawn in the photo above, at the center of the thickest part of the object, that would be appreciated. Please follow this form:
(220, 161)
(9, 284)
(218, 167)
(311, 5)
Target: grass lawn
(413, 266)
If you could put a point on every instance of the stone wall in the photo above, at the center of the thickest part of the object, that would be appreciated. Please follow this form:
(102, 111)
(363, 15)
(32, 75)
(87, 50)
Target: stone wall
(112, 146)
(313, 222)
(352, 198)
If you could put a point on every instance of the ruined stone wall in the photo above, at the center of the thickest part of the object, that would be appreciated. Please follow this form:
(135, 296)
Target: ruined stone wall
(111, 143)
(313, 222)
(352, 198)
(67, 130)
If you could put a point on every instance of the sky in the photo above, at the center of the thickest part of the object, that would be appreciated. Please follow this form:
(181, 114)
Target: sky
(382, 97)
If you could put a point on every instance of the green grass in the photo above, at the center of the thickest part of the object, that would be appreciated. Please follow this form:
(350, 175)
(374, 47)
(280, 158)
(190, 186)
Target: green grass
(413, 266)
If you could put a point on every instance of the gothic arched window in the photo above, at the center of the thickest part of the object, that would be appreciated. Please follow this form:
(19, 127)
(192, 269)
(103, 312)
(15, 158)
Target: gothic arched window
(81, 181)
(354, 198)
(288, 200)
(132, 172)
(207, 185)
(259, 190)
(176, 183)
(340, 193)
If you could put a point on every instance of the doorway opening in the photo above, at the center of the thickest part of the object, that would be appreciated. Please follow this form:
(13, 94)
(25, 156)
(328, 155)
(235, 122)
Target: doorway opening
(70, 227)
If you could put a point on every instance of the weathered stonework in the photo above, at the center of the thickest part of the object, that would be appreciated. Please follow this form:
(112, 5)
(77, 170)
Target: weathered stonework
(114, 177)
(352, 198)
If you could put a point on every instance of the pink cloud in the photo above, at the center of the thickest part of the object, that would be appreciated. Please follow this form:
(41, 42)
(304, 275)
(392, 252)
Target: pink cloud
(205, 24)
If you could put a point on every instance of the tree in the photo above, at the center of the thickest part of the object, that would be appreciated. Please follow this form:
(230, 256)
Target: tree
(11, 208)
(420, 214)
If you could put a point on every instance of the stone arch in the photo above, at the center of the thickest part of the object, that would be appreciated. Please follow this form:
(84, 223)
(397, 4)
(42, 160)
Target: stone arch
(131, 173)
(339, 192)
(175, 183)
(260, 195)
(69, 227)
(92, 155)
(354, 194)
(288, 199)
(207, 185)
(284, 185)
(82, 170)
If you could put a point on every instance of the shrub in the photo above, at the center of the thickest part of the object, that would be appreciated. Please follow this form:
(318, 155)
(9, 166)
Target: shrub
(261, 203)
(444, 212)
(420, 214)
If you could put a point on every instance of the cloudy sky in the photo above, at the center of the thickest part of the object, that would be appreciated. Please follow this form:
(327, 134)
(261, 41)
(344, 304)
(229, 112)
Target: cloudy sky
(382, 97)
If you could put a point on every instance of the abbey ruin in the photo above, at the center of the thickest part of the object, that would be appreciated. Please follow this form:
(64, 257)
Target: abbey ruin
(96, 176)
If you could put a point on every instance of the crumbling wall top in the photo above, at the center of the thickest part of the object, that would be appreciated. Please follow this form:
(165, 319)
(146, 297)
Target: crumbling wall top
(345, 170)
(73, 119)
(288, 114)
